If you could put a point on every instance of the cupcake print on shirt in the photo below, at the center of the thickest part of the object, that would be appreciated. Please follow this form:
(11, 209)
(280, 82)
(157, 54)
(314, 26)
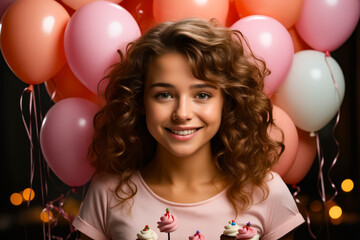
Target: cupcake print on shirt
(168, 223)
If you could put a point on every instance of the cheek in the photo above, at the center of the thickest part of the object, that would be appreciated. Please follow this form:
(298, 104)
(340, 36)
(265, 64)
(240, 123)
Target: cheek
(212, 114)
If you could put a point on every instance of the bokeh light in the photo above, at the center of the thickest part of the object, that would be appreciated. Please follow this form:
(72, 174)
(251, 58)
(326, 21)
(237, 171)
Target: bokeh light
(347, 185)
(28, 194)
(16, 199)
(316, 206)
(335, 212)
(46, 215)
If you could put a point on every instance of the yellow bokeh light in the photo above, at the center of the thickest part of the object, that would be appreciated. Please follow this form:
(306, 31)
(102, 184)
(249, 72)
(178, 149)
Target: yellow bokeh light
(347, 185)
(28, 194)
(335, 212)
(16, 199)
(46, 215)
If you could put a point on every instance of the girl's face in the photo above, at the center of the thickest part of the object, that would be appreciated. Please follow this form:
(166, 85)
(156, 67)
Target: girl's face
(182, 113)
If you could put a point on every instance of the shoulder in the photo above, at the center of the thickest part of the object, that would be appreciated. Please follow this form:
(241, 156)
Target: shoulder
(109, 182)
(276, 184)
(104, 181)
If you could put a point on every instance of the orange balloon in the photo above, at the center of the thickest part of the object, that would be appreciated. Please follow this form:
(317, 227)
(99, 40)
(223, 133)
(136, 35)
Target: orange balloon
(142, 11)
(173, 10)
(285, 11)
(76, 4)
(232, 15)
(299, 44)
(32, 39)
(68, 9)
(304, 158)
(65, 85)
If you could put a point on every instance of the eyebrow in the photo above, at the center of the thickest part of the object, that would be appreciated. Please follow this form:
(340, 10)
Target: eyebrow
(195, 86)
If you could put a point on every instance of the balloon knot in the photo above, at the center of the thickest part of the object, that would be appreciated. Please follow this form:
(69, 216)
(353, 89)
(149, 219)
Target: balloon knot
(30, 88)
(327, 54)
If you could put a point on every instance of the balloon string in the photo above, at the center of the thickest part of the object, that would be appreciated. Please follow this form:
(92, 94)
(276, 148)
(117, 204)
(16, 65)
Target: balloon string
(327, 54)
(52, 97)
(42, 163)
(297, 200)
(60, 211)
(28, 128)
(321, 186)
(320, 183)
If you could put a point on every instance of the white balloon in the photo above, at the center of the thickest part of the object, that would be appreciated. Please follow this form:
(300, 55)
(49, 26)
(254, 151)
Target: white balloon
(313, 90)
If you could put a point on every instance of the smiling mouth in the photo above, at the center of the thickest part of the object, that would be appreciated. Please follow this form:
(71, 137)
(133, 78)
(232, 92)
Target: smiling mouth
(182, 132)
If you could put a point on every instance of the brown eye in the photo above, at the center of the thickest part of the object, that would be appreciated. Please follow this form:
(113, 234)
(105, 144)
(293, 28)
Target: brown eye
(203, 96)
(163, 95)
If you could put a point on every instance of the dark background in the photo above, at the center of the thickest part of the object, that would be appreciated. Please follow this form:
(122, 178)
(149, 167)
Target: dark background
(22, 222)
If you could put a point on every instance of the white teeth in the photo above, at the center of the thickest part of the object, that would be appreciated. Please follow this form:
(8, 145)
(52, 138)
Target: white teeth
(183, 132)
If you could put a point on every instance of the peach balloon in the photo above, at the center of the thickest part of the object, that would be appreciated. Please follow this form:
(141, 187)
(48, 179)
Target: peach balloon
(299, 43)
(32, 39)
(172, 10)
(304, 158)
(285, 11)
(65, 85)
(291, 140)
(76, 4)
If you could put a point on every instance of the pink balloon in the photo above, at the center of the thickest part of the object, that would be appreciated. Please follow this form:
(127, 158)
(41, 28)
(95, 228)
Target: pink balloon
(65, 137)
(92, 37)
(76, 4)
(270, 41)
(291, 140)
(304, 158)
(327, 24)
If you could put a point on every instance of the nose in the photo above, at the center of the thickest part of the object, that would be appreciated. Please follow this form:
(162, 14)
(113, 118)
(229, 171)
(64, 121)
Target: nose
(183, 110)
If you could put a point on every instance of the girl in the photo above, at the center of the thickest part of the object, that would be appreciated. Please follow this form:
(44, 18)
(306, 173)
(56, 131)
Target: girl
(185, 127)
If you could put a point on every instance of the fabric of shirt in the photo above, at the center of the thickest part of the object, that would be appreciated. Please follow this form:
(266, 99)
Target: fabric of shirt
(101, 217)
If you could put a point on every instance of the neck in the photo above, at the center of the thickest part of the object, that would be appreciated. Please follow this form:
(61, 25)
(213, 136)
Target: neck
(175, 170)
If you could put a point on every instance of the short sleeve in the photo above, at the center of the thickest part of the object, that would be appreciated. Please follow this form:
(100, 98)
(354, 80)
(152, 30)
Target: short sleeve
(282, 214)
(92, 216)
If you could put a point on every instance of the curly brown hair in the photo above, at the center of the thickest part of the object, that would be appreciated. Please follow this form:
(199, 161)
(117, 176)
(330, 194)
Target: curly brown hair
(243, 151)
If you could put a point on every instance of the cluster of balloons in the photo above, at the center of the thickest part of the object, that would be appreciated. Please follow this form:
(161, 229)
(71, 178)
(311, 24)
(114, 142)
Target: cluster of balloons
(69, 44)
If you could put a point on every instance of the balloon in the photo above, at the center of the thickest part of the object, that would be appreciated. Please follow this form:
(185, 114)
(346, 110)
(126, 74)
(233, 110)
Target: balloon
(68, 9)
(142, 11)
(4, 4)
(232, 15)
(299, 44)
(325, 24)
(285, 11)
(76, 4)
(309, 94)
(270, 41)
(291, 140)
(92, 37)
(172, 10)
(65, 85)
(65, 137)
(305, 157)
(32, 39)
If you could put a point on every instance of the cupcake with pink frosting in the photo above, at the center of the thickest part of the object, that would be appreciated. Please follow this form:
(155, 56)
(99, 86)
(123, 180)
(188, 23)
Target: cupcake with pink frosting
(168, 223)
(147, 234)
(247, 232)
(197, 236)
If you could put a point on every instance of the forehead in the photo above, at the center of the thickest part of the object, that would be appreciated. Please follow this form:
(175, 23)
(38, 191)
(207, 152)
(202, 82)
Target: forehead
(170, 63)
(174, 68)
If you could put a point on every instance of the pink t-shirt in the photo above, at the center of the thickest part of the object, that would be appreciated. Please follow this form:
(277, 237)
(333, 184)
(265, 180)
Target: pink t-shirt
(100, 217)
